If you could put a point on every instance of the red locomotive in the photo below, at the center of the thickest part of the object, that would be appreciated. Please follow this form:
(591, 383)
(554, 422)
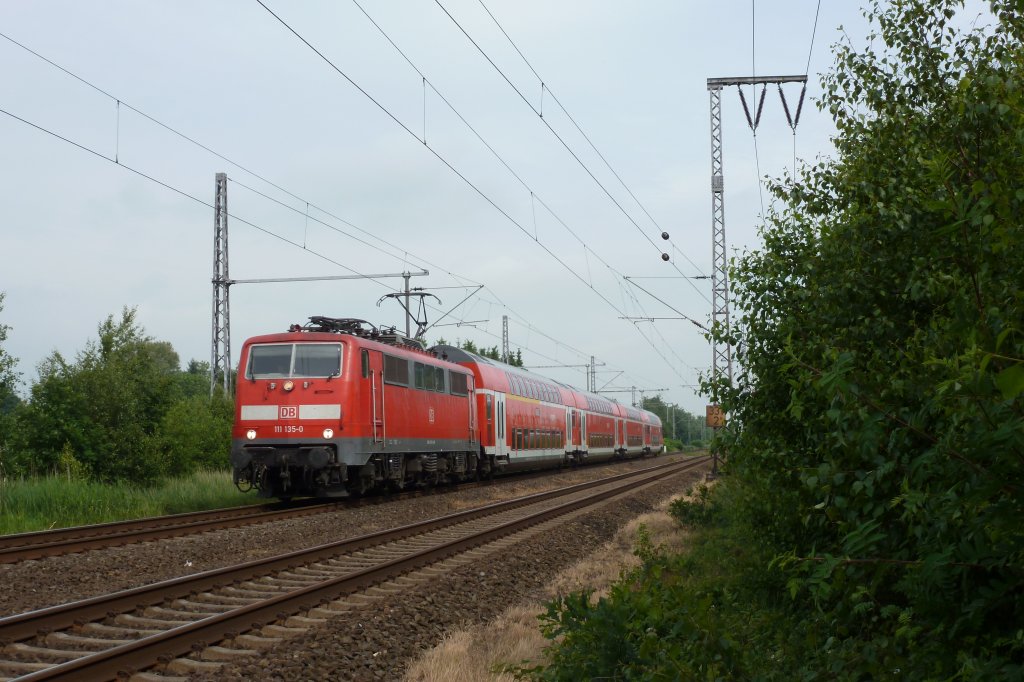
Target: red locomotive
(340, 407)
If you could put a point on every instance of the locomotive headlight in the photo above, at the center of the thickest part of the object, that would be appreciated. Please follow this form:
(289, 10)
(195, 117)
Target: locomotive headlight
(251, 434)
(328, 433)
(288, 385)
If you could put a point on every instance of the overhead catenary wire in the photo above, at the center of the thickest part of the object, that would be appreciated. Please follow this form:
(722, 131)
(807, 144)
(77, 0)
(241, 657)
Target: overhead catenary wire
(306, 204)
(533, 194)
(223, 157)
(753, 90)
(183, 193)
(438, 155)
(441, 158)
(252, 224)
(567, 147)
(577, 126)
(420, 261)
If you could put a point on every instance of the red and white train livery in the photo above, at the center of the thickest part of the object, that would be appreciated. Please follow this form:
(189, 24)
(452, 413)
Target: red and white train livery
(337, 407)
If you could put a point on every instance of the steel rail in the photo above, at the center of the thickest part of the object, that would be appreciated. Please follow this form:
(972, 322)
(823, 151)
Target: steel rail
(24, 546)
(145, 652)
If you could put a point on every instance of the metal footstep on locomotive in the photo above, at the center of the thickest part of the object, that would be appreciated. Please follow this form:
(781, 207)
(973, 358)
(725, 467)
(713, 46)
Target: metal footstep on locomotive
(194, 623)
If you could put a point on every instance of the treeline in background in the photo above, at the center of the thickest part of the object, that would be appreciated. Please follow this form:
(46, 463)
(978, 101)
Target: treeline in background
(123, 409)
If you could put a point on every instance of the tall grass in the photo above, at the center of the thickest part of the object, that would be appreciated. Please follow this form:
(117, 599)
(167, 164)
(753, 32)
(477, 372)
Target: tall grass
(57, 501)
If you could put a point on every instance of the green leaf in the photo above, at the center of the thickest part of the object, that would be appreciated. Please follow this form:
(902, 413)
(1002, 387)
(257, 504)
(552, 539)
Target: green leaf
(1011, 381)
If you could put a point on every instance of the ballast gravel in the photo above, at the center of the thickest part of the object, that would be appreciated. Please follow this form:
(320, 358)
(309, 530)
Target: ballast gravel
(36, 584)
(378, 642)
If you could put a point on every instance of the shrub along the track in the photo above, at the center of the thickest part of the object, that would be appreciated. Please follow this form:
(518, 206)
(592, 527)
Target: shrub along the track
(876, 443)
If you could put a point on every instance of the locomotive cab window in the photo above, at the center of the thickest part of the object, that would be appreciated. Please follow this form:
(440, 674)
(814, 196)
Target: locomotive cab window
(290, 360)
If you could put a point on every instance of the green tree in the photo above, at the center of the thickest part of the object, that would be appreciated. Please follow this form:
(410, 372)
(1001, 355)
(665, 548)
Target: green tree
(9, 400)
(105, 407)
(877, 422)
(869, 523)
(195, 433)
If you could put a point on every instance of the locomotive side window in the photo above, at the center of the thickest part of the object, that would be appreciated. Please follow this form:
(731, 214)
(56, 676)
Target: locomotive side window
(366, 363)
(439, 379)
(420, 381)
(460, 387)
(396, 370)
(282, 360)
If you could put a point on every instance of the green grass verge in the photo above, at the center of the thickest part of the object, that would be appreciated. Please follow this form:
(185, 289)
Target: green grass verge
(56, 502)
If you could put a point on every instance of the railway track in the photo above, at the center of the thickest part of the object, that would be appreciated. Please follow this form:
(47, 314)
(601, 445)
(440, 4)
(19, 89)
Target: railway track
(37, 545)
(24, 546)
(242, 609)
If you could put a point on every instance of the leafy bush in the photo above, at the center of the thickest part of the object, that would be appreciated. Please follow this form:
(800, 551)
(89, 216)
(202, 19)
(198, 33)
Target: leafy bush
(696, 508)
(882, 448)
(195, 433)
(869, 526)
(708, 614)
(122, 411)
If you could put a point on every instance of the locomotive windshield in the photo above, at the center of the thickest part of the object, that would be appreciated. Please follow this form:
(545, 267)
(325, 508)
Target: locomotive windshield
(289, 360)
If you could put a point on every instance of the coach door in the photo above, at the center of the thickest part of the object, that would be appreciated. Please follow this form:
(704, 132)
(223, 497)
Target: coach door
(500, 444)
(373, 370)
(473, 416)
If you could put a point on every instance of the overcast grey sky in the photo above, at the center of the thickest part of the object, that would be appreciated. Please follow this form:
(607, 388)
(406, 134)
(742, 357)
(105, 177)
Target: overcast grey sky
(81, 237)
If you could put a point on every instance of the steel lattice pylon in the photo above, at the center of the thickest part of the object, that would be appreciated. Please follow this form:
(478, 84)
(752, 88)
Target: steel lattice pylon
(506, 354)
(220, 350)
(721, 352)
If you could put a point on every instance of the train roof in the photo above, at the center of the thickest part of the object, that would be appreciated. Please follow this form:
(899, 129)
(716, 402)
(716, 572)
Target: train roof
(383, 342)
(592, 401)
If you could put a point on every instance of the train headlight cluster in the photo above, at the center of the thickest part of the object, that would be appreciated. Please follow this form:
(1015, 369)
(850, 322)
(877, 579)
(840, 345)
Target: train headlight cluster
(251, 434)
(328, 433)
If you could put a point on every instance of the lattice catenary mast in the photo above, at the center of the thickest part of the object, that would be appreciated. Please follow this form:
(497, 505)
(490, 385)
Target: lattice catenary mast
(721, 352)
(220, 348)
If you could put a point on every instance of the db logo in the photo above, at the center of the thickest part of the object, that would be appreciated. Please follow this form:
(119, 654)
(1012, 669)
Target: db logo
(289, 412)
